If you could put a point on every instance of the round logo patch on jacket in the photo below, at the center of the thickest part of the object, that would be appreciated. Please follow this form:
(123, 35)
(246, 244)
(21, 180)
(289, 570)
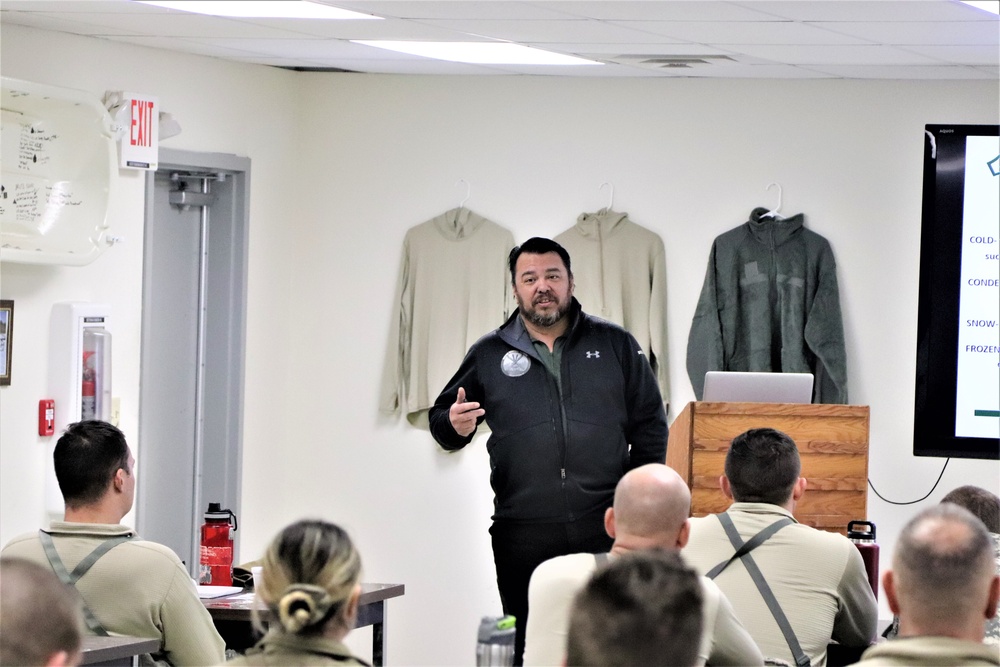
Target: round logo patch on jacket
(515, 364)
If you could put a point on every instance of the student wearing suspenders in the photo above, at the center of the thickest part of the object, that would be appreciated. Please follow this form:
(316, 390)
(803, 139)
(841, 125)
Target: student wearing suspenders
(129, 586)
(794, 588)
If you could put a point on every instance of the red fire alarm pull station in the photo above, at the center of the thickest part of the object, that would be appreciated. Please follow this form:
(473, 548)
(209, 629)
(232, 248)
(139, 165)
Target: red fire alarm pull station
(46, 416)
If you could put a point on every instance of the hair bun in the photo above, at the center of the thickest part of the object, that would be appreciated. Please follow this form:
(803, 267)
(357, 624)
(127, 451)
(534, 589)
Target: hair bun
(301, 606)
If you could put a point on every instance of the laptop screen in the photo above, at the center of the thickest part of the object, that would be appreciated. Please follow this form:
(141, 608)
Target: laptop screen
(736, 387)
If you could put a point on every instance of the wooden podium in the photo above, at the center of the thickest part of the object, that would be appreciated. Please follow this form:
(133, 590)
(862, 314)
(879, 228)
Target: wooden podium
(832, 442)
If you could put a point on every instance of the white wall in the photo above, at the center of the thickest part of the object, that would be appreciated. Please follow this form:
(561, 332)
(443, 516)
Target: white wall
(224, 108)
(343, 165)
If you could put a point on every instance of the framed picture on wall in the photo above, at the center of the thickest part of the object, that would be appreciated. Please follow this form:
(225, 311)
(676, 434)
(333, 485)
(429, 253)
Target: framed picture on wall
(6, 336)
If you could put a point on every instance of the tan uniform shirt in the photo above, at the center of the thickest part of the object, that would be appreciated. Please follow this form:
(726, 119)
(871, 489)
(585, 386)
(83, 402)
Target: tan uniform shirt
(138, 589)
(554, 584)
(818, 578)
(278, 649)
(918, 651)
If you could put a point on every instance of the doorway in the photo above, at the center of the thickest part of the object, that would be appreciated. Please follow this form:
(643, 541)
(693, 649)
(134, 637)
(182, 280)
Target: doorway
(193, 346)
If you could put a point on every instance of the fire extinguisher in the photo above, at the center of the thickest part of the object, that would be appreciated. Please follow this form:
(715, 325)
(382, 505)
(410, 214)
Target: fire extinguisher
(216, 567)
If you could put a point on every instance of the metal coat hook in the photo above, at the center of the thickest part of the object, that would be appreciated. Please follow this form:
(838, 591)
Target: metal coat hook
(611, 196)
(468, 191)
(777, 208)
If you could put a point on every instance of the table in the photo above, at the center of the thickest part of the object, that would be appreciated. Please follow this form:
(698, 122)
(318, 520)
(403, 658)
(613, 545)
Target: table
(115, 650)
(232, 617)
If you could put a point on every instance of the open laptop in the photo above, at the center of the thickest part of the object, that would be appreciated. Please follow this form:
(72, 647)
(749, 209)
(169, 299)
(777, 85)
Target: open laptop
(736, 387)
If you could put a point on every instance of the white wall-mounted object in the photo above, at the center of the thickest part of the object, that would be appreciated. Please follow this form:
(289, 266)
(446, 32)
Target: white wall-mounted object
(79, 372)
(59, 164)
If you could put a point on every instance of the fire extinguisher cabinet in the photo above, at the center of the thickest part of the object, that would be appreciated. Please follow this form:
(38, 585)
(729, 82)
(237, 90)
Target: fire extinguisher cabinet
(79, 373)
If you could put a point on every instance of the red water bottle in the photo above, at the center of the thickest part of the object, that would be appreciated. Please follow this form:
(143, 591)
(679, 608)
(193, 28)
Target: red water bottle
(862, 533)
(216, 566)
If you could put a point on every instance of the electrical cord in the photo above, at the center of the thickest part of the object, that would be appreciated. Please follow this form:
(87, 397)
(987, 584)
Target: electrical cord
(911, 502)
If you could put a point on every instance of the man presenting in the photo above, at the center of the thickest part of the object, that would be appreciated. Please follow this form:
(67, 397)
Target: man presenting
(572, 405)
(131, 587)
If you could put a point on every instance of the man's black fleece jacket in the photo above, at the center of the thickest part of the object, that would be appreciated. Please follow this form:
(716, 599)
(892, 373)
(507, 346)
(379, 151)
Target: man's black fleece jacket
(554, 458)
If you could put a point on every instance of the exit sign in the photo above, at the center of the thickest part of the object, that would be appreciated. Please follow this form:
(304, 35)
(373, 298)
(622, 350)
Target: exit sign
(140, 139)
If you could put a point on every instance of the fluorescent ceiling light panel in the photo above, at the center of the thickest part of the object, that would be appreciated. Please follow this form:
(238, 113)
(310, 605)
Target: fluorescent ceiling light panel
(272, 9)
(480, 53)
(991, 6)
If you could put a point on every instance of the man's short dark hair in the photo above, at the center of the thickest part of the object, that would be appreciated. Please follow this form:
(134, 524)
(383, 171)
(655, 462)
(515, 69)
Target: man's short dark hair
(643, 608)
(39, 616)
(762, 466)
(979, 501)
(86, 458)
(537, 246)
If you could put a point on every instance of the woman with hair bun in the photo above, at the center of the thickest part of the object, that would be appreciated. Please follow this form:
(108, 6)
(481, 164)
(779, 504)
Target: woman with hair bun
(311, 587)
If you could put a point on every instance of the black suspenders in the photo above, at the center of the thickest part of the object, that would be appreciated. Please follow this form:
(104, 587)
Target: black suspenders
(70, 578)
(743, 550)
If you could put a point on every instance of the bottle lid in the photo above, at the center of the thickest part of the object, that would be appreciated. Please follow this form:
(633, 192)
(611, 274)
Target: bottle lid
(216, 513)
(497, 630)
(88, 388)
(861, 531)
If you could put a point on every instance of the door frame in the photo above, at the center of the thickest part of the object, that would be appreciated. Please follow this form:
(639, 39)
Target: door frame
(228, 341)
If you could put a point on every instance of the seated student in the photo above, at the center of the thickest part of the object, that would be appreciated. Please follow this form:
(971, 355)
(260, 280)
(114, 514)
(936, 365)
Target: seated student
(651, 508)
(942, 585)
(817, 579)
(40, 620)
(131, 586)
(985, 506)
(311, 585)
(642, 608)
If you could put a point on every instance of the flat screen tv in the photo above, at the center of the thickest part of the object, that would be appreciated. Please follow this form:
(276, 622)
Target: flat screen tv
(957, 410)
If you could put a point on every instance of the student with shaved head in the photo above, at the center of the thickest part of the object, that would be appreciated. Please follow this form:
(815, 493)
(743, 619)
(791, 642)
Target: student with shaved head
(650, 511)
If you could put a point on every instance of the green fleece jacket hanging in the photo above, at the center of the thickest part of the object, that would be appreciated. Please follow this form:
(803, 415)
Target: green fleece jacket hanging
(770, 302)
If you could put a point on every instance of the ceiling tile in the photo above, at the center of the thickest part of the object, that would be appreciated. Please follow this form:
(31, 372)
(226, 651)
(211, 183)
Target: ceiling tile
(84, 6)
(754, 72)
(300, 48)
(59, 23)
(835, 55)
(964, 55)
(450, 9)
(948, 73)
(549, 31)
(661, 10)
(362, 29)
(651, 50)
(867, 10)
(179, 24)
(174, 44)
(749, 32)
(414, 66)
(920, 32)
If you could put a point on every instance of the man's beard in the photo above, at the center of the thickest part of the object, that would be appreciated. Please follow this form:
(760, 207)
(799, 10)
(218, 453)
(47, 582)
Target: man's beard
(542, 320)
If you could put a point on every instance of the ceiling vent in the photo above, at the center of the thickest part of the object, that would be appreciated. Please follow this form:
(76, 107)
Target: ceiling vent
(334, 70)
(671, 62)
